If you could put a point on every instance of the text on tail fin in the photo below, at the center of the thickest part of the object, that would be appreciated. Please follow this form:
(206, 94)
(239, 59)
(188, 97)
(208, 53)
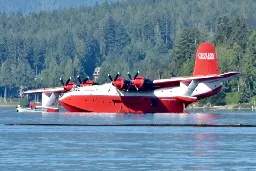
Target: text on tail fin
(206, 62)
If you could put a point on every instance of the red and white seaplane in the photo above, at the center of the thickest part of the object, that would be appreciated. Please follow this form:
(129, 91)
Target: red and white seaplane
(141, 95)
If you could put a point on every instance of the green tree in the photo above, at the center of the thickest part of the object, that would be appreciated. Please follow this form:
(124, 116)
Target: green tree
(109, 35)
(223, 30)
(6, 77)
(240, 32)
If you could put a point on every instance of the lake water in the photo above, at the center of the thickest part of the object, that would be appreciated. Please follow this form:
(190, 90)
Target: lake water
(127, 147)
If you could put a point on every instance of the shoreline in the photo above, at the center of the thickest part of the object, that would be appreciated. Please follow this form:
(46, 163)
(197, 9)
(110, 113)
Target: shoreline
(225, 107)
(222, 108)
(6, 105)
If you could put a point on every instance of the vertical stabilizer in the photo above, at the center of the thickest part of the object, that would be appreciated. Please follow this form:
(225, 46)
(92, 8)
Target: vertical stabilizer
(206, 62)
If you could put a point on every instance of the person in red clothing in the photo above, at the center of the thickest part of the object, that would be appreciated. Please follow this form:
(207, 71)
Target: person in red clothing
(32, 105)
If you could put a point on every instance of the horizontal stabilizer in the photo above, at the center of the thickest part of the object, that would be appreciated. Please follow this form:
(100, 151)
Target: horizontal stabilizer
(175, 81)
(188, 99)
(229, 75)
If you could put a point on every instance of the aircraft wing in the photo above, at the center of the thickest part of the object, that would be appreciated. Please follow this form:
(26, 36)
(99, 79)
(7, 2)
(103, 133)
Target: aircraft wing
(175, 81)
(45, 90)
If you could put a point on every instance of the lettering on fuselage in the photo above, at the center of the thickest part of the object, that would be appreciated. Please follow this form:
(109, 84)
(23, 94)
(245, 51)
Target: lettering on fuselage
(207, 56)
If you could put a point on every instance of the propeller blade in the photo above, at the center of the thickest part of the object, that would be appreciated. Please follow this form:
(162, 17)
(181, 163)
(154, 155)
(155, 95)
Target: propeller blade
(109, 88)
(68, 81)
(136, 75)
(117, 75)
(136, 87)
(79, 79)
(129, 75)
(61, 81)
(86, 79)
(109, 76)
(127, 84)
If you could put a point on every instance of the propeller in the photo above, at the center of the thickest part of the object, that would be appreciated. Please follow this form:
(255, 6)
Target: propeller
(116, 77)
(129, 75)
(113, 81)
(68, 85)
(132, 80)
(136, 75)
(109, 76)
(62, 82)
(79, 79)
(68, 81)
(84, 81)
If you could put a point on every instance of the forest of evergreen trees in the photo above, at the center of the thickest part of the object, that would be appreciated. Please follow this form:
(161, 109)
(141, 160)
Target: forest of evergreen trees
(27, 6)
(156, 37)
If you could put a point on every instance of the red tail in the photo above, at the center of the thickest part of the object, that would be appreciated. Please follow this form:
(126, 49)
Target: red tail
(206, 62)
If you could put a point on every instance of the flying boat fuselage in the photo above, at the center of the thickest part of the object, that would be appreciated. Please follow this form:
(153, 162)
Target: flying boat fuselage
(107, 98)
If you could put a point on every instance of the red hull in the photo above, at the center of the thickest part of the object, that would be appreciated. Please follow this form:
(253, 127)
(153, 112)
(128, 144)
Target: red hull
(117, 104)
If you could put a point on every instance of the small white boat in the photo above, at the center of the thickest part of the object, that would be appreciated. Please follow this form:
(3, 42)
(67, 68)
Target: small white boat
(21, 109)
(37, 109)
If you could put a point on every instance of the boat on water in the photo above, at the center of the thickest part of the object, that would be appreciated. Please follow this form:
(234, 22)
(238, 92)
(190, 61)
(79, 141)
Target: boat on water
(27, 109)
(33, 108)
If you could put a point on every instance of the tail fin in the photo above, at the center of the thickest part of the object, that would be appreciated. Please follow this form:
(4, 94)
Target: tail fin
(206, 62)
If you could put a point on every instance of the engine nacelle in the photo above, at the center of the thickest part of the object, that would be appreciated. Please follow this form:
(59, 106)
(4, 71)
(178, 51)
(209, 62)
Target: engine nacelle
(69, 86)
(119, 83)
(87, 83)
(138, 82)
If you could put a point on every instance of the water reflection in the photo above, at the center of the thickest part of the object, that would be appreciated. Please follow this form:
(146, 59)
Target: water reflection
(204, 118)
(204, 147)
(114, 118)
(157, 118)
(203, 143)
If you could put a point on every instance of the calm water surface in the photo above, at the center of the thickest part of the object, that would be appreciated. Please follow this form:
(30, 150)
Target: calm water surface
(127, 148)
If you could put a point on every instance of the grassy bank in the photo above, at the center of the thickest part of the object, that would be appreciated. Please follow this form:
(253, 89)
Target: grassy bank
(9, 102)
(243, 106)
